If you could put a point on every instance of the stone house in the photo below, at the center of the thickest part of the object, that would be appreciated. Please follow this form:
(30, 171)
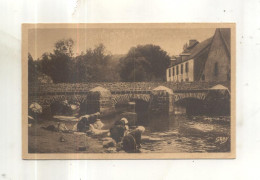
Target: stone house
(208, 60)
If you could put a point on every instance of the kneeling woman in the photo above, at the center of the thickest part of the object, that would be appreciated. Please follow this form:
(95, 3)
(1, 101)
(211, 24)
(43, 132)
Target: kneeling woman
(132, 141)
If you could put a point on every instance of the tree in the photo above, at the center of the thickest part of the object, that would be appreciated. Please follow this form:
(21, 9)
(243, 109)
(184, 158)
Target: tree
(46, 65)
(58, 65)
(144, 63)
(64, 46)
(32, 71)
(95, 66)
(61, 68)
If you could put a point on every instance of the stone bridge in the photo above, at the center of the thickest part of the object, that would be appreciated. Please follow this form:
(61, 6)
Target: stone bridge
(104, 96)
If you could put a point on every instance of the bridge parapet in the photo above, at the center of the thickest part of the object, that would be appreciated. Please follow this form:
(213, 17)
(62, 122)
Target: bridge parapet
(131, 92)
(120, 86)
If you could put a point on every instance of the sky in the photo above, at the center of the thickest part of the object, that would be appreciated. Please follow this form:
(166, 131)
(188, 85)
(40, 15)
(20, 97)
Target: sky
(116, 40)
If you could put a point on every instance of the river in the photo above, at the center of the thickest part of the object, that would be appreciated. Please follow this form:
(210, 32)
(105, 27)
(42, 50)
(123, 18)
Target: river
(175, 134)
(183, 133)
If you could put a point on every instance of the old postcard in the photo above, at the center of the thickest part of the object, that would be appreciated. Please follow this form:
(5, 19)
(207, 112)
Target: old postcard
(128, 91)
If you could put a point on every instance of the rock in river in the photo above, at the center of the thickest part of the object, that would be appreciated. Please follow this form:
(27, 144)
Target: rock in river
(35, 109)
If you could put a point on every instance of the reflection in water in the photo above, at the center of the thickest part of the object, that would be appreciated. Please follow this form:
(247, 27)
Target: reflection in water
(163, 123)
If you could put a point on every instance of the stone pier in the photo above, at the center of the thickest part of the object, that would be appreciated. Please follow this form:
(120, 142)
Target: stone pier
(99, 99)
(162, 100)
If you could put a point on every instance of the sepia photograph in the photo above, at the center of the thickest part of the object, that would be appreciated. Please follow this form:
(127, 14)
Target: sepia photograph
(128, 91)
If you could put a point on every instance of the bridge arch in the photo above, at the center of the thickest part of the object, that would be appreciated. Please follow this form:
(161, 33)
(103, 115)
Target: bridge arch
(140, 106)
(190, 106)
(125, 98)
(48, 101)
(178, 96)
(77, 99)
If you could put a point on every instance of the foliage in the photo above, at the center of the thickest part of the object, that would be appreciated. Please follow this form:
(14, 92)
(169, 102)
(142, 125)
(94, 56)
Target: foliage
(95, 66)
(58, 65)
(32, 70)
(144, 63)
(64, 47)
(35, 74)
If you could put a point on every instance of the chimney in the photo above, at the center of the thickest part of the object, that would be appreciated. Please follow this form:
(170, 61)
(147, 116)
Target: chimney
(172, 61)
(193, 42)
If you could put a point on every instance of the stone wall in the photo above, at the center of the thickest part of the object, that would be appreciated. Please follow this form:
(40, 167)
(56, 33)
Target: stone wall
(218, 58)
(115, 87)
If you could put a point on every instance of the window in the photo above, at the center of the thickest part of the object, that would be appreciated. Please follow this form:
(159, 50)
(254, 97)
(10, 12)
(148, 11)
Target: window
(216, 69)
(182, 69)
(169, 72)
(187, 67)
(177, 70)
(173, 68)
(203, 77)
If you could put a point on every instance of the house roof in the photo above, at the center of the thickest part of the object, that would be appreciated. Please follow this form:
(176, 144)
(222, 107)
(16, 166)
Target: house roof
(193, 52)
(225, 35)
(204, 47)
(198, 48)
